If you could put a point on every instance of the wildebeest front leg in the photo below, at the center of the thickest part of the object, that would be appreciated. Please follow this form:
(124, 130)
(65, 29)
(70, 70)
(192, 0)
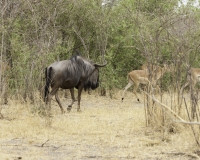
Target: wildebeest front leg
(59, 103)
(73, 99)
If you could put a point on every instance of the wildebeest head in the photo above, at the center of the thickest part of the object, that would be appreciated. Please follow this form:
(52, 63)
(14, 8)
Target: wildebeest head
(91, 70)
(92, 82)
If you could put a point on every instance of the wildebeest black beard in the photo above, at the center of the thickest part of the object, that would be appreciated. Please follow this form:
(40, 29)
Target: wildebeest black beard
(92, 82)
(91, 85)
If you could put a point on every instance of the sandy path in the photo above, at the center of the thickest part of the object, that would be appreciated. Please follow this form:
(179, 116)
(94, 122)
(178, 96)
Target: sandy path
(105, 129)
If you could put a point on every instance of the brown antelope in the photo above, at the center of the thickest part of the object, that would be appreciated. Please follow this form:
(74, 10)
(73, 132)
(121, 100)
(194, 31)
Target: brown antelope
(142, 76)
(193, 77)
(151, 69)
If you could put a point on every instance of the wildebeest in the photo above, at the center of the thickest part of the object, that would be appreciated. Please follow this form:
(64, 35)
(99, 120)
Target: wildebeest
(76, 72)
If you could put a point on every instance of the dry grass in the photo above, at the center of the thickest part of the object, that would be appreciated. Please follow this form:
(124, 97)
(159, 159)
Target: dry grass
(105, 129)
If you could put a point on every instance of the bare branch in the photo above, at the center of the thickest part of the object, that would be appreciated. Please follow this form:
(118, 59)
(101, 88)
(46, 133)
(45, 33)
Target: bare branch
(81, 41)
(176, 115)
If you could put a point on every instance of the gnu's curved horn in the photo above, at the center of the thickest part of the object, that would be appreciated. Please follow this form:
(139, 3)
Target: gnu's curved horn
(101, 65)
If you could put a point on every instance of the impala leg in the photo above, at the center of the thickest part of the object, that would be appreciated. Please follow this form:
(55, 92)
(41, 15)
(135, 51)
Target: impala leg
(158, 90)
(135, 90)
(144, 81)
(193, 84)
(153, 87)
(127, 86)
(181, 92)
(73, 99)
(182, 88)
(58, 101)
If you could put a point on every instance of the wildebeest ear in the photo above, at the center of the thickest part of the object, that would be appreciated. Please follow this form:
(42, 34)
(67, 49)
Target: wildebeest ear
(100, 65)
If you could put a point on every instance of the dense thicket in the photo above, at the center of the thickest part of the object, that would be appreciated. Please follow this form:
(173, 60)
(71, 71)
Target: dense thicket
(127, 33)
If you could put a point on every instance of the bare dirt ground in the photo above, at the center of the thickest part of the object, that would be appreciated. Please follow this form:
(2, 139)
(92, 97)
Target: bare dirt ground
(106, 129)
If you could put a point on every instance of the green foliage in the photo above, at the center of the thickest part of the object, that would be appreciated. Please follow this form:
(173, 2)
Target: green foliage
(128, 33)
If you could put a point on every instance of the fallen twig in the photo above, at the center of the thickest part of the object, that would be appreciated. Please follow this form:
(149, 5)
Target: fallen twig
(44, 143)
(192, 155)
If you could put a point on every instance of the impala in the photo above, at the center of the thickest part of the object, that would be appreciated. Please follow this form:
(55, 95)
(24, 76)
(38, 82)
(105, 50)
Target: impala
(193, 77)
(138, 77)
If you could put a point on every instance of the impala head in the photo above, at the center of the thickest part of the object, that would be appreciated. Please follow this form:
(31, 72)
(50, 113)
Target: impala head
(168, 67)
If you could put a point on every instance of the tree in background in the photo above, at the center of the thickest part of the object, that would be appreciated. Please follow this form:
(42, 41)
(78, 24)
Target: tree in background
(127, 33)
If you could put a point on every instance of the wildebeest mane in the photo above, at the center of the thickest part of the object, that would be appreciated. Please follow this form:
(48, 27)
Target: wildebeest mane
(84, 63)
(91, 72)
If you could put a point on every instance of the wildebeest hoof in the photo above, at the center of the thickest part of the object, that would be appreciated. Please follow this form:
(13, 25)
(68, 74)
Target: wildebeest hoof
(69, 108)
(122, 99)
(79, 110)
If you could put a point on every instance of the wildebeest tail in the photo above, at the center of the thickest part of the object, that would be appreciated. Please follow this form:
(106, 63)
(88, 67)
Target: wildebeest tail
(48, 81)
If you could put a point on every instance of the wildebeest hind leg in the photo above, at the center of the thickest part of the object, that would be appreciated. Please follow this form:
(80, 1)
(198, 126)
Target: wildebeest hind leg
(52, 93)
(58, 101)
(79, 97)
(73, 99)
